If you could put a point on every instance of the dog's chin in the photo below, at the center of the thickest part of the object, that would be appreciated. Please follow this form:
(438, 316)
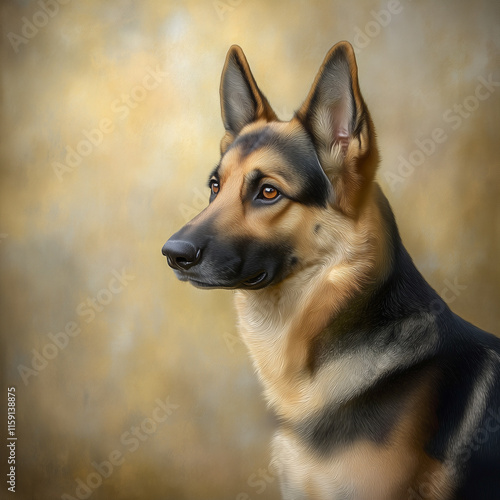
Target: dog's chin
(255, 281)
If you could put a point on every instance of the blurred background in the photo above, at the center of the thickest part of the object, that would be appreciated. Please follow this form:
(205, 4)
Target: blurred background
(130, 384)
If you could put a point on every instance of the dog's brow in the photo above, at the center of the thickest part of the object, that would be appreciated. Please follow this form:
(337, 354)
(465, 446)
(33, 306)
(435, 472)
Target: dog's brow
(214, 173)
(252, 180)
(254, 176)
(252, 141)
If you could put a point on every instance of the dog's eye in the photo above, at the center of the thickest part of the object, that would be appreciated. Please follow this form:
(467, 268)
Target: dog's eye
(268, 192)
(214, 186)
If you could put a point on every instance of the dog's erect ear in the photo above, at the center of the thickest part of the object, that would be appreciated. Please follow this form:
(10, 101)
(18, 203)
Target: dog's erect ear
(336, 116)
(241, 100)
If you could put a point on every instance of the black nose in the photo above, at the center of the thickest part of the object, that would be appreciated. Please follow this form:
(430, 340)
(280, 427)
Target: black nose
(180, 254)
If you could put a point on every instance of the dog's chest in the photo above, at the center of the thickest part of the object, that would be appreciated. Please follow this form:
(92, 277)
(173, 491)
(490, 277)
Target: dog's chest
(363, 471)
(360, 473)
(277, 330)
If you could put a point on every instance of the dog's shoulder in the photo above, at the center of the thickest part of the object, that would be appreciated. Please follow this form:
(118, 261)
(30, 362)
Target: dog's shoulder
(468, 411)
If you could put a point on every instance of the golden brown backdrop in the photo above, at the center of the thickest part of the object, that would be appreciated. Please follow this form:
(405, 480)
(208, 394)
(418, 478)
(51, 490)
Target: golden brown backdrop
(130, 384)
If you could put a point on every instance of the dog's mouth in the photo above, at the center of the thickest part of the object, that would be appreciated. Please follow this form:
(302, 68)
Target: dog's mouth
(255, 281)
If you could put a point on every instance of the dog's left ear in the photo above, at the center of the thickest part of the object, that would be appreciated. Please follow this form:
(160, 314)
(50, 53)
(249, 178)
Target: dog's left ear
(242, 102)
(336, 117)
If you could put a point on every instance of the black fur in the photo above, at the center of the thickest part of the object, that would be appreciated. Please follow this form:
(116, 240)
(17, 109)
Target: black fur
(229, 262)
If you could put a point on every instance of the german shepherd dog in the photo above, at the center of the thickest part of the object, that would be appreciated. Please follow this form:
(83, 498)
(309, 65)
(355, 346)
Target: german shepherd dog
(380, 391)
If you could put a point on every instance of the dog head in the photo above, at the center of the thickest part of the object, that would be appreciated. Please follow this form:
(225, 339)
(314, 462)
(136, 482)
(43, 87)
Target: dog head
(285, 195)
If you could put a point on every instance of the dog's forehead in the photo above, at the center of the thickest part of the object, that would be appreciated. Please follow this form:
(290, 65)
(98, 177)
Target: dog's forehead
(276, 137)
(282, 142)
(283, 147)
(249, 142)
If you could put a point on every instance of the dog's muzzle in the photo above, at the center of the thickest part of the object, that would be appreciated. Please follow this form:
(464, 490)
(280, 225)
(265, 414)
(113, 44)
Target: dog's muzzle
(213, 261)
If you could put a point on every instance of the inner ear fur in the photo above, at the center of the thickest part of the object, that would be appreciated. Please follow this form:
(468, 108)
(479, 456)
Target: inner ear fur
(336, 117)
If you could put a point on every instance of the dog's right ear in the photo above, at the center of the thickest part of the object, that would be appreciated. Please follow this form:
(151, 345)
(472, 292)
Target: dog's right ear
(241, 100)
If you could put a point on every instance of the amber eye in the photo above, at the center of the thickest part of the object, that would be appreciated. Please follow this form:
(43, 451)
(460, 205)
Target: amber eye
(214, 186)
(269, 192)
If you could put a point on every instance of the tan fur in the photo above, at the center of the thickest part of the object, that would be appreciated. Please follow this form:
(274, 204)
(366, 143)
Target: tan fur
(279, 323)
(397, 470)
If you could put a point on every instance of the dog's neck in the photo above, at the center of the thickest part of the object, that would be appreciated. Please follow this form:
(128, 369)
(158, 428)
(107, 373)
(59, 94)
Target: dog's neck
(322, 303)
(279, 323)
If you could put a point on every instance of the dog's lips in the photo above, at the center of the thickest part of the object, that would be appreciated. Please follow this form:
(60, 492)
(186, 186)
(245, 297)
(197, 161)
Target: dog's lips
(201, 284)
(180, 276)
(255, 280)
(183, 276)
